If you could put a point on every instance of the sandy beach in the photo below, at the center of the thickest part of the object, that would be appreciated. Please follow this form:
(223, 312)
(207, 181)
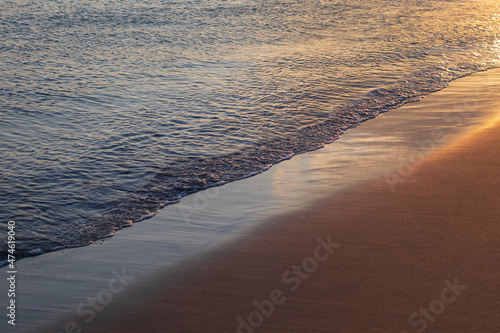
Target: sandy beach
(250, 166)
(411, 252)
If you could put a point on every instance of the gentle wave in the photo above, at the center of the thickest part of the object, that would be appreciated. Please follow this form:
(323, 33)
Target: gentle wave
(111, 111)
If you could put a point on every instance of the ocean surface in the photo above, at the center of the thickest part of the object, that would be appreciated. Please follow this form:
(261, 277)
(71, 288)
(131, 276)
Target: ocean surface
(110, 110)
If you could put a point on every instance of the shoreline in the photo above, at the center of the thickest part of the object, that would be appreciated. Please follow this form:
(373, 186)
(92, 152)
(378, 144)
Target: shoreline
(401, 257)
(419, 257)
(366, 152)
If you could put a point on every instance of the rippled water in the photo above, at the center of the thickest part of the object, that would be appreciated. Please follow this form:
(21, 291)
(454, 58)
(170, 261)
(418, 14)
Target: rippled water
(111, 110)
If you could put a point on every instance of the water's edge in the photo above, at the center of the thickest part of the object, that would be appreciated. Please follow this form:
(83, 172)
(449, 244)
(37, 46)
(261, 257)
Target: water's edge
(209, 217)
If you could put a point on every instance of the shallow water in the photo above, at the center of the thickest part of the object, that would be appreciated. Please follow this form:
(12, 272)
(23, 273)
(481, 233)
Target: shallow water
(111, 110)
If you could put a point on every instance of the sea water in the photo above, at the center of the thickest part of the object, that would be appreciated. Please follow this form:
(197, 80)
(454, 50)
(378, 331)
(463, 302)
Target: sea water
(110, 110)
